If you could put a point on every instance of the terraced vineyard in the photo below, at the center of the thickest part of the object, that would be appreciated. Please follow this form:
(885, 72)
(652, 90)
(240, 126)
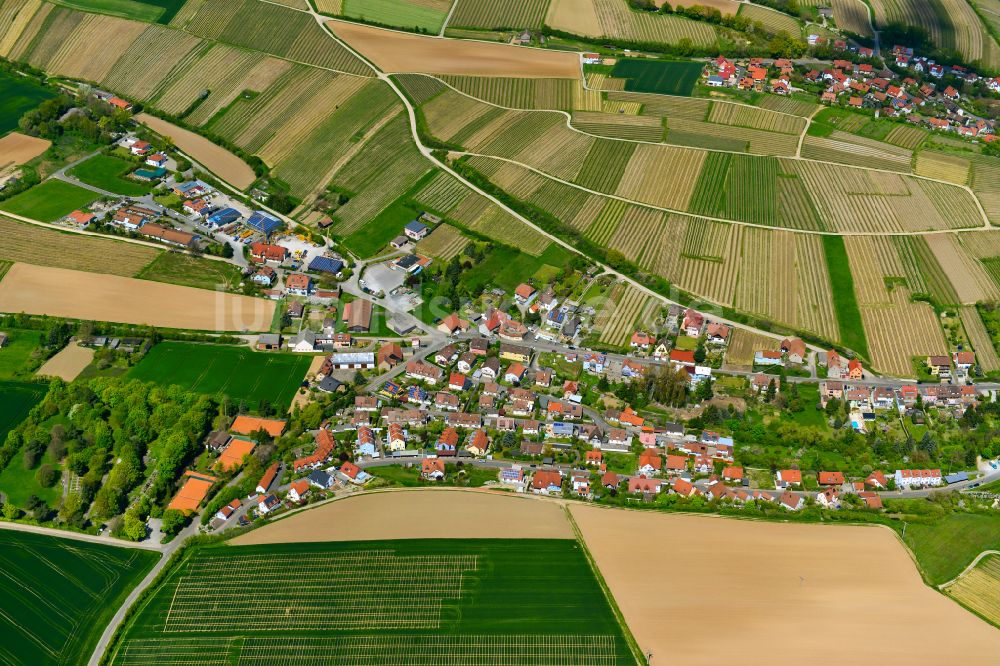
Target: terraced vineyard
(979, 589)
(523, 15)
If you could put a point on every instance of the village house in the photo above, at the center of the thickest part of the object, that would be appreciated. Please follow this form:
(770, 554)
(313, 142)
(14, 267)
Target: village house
(432, 469)
(786, 478)
(546, 482)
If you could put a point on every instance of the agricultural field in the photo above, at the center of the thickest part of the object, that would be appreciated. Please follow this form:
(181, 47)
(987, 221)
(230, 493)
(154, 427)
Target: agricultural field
(524, 15)
(979, 337)
(944, 166)
(20, 346)
(190, 271)
(852, 15)
(216, 159)
(623, 311)
(18, 95)
(979, 589)
(240, 373)
(951, 24)
(17, 149)
(616, 20)
(151, 11)
(406, 601)
(109, 173)
(443, 243)
(56, 595)
(517, 93)
(36, 245)
(658, 76)
(50, 201)
(274, 29)
(396, 52)
(744, 344)
(19, 398)
(619, 126)
(971, 280)
(416, 15)
(772, 20)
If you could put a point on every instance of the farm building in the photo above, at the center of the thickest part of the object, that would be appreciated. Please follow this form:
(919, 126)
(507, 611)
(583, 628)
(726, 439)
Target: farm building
(358, 315)
(223, 217)
(353, 361)
(263, 222)
(416, 230)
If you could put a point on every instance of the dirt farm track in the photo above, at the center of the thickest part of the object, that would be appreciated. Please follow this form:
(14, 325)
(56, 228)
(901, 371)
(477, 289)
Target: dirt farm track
(74, 294)
(397, 52)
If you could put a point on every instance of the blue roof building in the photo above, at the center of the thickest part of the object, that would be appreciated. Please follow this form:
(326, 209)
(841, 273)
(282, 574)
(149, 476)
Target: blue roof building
(326, 265)
(415, 229)
(223, 217)
(263, 222)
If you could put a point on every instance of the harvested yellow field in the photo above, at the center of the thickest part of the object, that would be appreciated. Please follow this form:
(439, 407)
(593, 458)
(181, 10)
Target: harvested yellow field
(17, 148)
(331, 7)
(59, 292)
(68, 363)
(403, 514)
(802, 572)
(971, 281)
(980, 339)
(29, 26)
(662, 176)
(443, 243)
(578, 17)
(216, 159)
(892, 351)
(944, 166)
(979, 588)
(754, 118)
(399, 52)
(33, 244)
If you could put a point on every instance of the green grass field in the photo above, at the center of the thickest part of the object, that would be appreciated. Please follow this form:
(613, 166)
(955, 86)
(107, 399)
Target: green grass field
(658, 76)
(56, 595)
(376, 234)
(396, 13)
(418, 602)
(852, 331)
(189, 271)
(108, 173)
(18, 399)
(50, 201)
(946, 546)
(152, 11)
(18, 95)
(15, 354)
(238, 372)
(507, 267)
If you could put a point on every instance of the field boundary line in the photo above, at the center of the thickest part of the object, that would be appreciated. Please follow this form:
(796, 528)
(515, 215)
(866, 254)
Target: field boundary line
(447, 19)
(972, 565)
(630, 640)
(77, 536)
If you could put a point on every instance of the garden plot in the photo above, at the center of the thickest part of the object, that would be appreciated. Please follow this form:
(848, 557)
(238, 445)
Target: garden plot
(443, 243)
(743, 344)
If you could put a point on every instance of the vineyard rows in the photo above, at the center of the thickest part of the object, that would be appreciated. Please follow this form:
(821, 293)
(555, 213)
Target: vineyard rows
(986, 184)
(558, 151)
(659, 105)
(795, 107)
(906, 136)
(662, 176)
(490, 14)
(420, 87)
(221, 70)
(753, 118)
(980, 338)
(142, 69)
(852, 15)
(758, 142)
(892, 352)
(639, 225)
(772, 20)
(943, 166)
(620, 323)
(856, 151)
(607, 221)
(604, 165)
(979, 589)
(518, 93)
(618, 20)
(442, 193)
(443, 243)
(620, 126)
(971, 281)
